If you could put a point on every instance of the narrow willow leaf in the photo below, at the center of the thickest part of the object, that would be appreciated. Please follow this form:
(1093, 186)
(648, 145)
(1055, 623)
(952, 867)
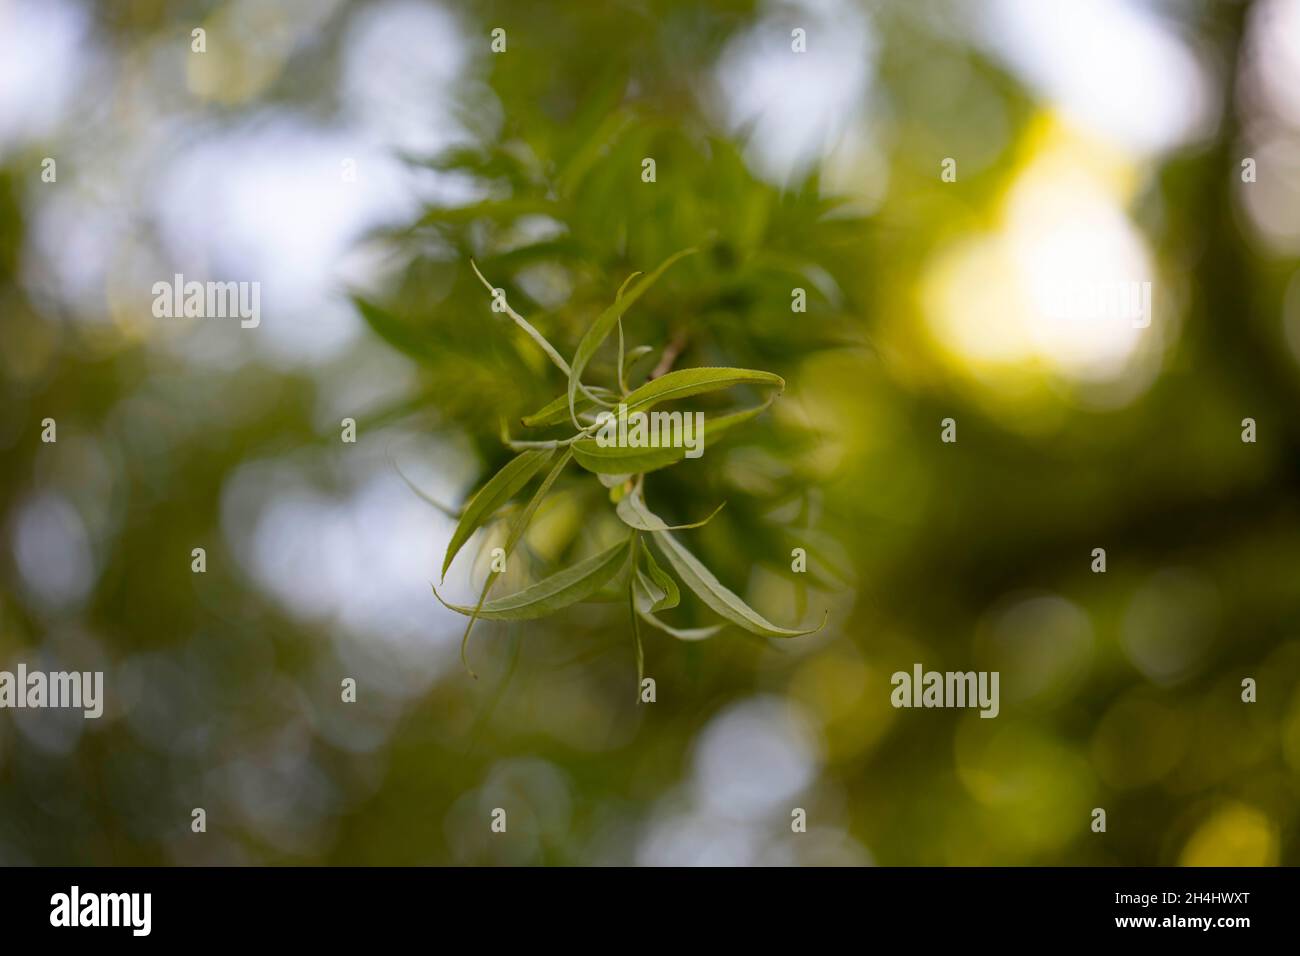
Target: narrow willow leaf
(657, 591)
(501, 487)
(633, 356)
(604, 324)
(615, 589)
(655, 594)
(622, 365)
(626, 283)
(713, 593)
(686, 382)
(649, 594)
(529, 445)
(661, 579)
(612, 593)
(632, 509)
(618, 364)
(518, 525)
(556, 412)
(650, 597)
(616, 460)
(550, 594)
(681, 633)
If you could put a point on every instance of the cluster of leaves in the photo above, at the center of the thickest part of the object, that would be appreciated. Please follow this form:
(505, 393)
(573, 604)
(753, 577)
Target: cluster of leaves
(557, 217)
(628, 567)
(558, 206)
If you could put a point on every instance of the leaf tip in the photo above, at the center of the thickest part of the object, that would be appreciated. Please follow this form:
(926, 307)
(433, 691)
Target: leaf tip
(464, 644)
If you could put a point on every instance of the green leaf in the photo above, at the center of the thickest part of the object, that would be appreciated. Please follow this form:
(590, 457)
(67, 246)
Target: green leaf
(633, 356)
(632, 509)
(686, 382)
(626, 282)
(518, 525)
(615, 460)
(622, 385)
(681, 633)
(613, 591)
(550, 594)
(713, 593)
(605, 323)
(663, 580)
(649, 594)
(622, 363)
(556, 412)
(501, 487)
(657, 591)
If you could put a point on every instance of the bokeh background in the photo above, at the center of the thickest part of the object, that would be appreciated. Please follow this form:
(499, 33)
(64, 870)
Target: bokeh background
(1093, 140)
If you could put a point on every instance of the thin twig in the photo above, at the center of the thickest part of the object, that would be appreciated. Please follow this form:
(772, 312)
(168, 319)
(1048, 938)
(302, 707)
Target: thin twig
(673, 349)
